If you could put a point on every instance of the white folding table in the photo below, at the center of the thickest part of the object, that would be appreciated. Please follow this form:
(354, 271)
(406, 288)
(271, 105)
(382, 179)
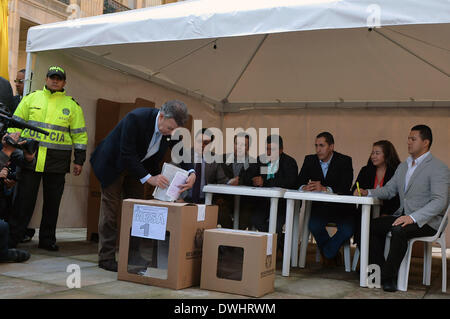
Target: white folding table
(274, 193)
(291, 240)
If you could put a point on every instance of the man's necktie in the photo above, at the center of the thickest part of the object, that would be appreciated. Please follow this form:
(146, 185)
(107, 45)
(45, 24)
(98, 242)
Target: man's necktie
(197, 184)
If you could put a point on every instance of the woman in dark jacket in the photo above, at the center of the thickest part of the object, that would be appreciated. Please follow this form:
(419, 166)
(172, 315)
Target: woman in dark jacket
(380, 168)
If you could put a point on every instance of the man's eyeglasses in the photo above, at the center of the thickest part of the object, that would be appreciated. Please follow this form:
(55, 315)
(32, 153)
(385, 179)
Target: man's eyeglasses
(19, 81)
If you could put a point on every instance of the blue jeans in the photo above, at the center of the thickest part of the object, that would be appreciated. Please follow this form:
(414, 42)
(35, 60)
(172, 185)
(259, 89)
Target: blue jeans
(4, 231)
(320, 218)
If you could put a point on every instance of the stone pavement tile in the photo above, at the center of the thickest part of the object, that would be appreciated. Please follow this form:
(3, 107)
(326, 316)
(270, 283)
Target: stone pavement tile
(72, 294)
(316, 287)
(66, 248)
(126, 290)
(281, 295)
(88, 257)
(19, 288)
(434, 291)
(437, 295)
(88, 276)
(197, 293)
(41, 266)
(379, 293)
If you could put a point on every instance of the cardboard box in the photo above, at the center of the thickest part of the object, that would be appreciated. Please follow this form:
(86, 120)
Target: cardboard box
(174, 261)
(239, 262)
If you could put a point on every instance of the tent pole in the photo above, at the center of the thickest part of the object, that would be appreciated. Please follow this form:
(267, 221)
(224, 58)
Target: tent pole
(27, 85)
(412, 53)
(245, 67)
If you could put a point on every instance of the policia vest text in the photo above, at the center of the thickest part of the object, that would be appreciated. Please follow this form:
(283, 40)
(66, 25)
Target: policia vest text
(63, 118)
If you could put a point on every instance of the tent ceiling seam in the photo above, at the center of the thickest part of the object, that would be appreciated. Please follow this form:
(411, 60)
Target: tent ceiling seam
(412, 53)
(245, 67)
(183, 57)
(417, 39)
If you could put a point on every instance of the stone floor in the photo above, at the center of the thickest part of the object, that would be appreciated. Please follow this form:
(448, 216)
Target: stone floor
(45, 274)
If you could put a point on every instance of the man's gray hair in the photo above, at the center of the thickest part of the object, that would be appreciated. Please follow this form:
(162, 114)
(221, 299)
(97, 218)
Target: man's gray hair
(176, 110)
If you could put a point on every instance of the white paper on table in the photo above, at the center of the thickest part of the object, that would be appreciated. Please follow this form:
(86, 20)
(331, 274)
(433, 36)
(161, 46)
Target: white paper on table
(169, 171)
(149, 222)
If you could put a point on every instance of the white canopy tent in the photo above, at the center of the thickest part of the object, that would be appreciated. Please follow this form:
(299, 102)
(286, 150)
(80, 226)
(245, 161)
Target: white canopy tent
(235, 53)
(291, 61)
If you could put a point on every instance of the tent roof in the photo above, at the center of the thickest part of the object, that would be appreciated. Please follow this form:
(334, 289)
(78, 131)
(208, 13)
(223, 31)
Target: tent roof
(237, 54)
(203, 19)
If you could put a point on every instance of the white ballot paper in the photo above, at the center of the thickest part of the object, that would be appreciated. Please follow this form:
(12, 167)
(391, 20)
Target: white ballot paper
(149, 222)
(176, 176)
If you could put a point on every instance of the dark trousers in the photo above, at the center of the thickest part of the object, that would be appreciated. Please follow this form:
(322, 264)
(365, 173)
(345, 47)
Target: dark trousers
(4, 229)
(25, 201)
(110, 207)
(399, 243)
(260, 217)
(321, 216)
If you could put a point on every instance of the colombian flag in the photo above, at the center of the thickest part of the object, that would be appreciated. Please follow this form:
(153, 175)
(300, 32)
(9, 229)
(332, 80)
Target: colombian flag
(4, 39)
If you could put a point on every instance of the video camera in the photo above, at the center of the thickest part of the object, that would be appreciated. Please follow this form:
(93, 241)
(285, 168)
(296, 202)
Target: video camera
(6, 121)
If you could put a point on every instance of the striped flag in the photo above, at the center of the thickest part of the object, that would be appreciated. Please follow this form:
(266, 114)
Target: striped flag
(4, 39)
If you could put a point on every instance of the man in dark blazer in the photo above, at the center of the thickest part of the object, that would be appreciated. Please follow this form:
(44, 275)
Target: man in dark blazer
(206, 172)
(422, 183)
(273, 169)
(236, 166)
(331, 172)
(129, 157)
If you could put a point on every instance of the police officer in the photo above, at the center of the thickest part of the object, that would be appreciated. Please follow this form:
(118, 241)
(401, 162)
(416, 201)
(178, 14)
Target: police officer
(60, 115)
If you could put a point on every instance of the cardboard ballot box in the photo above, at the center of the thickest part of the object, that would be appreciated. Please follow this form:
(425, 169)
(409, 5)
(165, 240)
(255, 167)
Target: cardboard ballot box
(161, 242)
(240, 262)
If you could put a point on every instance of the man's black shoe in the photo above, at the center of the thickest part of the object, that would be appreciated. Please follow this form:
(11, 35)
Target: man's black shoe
(16, 256)
(389, 285)
(49, 247)
(110, 265)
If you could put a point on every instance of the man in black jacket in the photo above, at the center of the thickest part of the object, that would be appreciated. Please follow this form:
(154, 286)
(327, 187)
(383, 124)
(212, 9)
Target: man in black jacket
(129, 157)
(236, 167)
(331, 172)
(273, 169)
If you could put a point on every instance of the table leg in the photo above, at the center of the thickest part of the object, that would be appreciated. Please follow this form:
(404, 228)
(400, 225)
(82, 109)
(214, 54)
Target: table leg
(364, 253)
(273, 215)
(305, 235)
(237, 201)
(208, 198)
(295, 234)
(288, 236)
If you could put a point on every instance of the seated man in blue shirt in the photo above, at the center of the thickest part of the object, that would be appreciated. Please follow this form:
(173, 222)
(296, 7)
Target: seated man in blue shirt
(331, 172)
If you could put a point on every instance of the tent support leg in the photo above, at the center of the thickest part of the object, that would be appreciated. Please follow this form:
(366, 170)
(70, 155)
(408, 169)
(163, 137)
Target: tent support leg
(27, 86)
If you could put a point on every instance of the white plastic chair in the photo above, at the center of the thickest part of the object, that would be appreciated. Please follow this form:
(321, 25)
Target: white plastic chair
(403, 272)
(356, 254)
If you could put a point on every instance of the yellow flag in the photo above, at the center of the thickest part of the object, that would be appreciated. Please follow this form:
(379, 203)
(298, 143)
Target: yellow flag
(4, 39)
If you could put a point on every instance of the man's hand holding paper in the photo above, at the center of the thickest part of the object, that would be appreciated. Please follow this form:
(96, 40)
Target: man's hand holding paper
(159, 181)
(189, 183)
